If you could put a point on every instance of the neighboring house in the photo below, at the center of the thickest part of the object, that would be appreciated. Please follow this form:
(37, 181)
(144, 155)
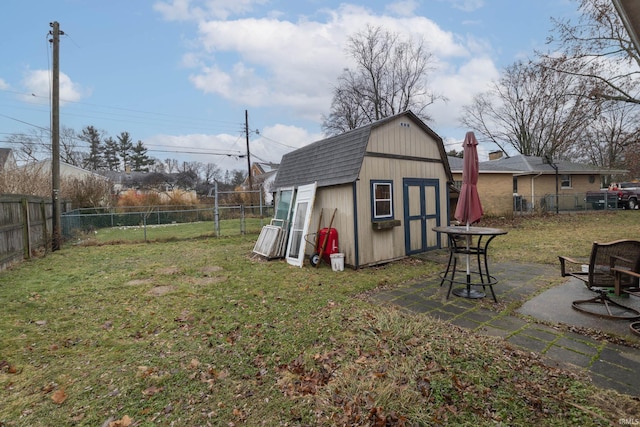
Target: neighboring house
(263, 176)
(531, 182)
(389, 182)
(7, 159)
(123, 181)
(66, 170)
(171, 188)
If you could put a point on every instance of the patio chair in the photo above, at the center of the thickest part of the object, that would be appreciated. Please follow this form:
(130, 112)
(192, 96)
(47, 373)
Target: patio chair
(611, 266)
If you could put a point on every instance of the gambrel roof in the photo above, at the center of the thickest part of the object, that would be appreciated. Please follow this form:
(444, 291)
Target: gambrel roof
(338, 159)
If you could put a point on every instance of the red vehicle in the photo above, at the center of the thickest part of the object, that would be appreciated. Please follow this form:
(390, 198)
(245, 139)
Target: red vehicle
(624, 195)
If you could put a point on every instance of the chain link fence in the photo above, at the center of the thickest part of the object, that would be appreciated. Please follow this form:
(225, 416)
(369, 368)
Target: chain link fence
(231, 219)
(567, 203)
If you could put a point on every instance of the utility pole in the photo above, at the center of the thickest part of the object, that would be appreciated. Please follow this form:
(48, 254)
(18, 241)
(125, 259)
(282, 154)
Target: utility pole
(55, 136)
(246, 131)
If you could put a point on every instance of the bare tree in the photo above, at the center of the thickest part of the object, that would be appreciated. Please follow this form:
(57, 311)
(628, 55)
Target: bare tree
(531, 109)
(612, 136)
(390, 77)
(598, 49)
(36, 145)
(171, 165)
(87, 192)
(211, 173)
(30, 147)
(33, 180)
(69, 147)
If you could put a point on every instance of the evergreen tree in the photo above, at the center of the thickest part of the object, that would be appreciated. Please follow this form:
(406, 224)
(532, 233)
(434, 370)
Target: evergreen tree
(95, 160)
(110, 153)
(140, 161)
(125, 149)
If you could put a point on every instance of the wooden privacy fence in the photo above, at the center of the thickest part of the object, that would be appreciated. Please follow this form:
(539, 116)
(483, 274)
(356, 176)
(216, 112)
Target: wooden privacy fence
(25, 227)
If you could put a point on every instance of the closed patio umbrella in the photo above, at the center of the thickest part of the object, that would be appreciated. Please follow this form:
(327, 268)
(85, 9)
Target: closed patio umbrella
(469, 207)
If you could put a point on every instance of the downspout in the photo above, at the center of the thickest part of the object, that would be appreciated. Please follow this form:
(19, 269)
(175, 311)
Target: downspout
(533, 190)
(356, 248)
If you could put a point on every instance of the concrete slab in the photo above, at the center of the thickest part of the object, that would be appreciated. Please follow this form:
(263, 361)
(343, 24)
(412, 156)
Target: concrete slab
(554, 305)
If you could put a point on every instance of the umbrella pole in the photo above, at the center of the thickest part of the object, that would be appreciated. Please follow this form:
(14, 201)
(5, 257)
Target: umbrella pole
(468, 269)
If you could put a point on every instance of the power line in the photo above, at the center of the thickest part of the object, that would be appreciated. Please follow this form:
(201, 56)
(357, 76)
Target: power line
(23, 122)
(277, 142)
(139, 116)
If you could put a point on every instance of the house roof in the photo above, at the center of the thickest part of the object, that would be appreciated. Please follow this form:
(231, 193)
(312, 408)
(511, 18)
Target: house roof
(266, 167)
(526, 165)
(65, 168)
(338, 159)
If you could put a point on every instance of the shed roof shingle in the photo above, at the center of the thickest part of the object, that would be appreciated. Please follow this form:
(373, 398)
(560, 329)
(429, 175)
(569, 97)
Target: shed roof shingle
(332, 161)
(338, 159)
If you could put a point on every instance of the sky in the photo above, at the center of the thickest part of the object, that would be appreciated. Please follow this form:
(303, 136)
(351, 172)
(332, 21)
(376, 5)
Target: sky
(179, 75)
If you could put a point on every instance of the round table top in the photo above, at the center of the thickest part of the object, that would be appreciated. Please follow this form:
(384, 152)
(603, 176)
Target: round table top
(464, 230)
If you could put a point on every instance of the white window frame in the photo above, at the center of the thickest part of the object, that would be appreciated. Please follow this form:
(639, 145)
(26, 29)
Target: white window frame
(374, 201)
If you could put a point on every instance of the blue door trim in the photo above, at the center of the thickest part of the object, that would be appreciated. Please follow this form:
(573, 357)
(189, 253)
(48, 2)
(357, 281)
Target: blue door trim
(422, 217)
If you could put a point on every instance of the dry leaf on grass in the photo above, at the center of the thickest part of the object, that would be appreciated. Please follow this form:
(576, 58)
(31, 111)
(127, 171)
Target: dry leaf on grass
(150, 391)
(59, 396)
(123, 422)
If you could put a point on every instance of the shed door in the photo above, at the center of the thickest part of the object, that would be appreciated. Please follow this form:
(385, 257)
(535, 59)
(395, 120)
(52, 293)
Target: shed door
(421, 214)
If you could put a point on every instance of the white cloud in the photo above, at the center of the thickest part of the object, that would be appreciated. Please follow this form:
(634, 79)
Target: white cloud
(460, 86)
(467, 5)
(4, 85)
(227, 151)
(402, 7)
(191, 10)
(38, 84)
(292, 65)
(271, 62)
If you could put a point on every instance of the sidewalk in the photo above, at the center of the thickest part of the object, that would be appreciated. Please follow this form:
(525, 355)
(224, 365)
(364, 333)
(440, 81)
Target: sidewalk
(545, 323)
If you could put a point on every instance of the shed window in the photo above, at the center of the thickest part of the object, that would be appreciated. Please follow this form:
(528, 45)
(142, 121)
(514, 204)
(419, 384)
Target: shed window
(565, 181)
(382, 200)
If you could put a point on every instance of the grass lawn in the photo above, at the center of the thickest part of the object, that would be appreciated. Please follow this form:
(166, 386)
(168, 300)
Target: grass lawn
(165, 232)
(197, 331)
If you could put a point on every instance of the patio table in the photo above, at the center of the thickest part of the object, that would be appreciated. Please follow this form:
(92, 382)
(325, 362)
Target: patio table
(469, 241)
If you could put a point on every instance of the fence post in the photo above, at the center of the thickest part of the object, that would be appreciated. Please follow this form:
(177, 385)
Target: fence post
(45, 231)
(242, 223)
(216, 212)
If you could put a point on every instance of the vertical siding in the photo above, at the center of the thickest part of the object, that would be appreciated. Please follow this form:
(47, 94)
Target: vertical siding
(400, 140)
(330, 198)
(403, 137)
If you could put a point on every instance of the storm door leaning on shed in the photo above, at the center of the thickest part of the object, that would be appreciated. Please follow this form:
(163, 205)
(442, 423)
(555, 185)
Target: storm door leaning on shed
(300, 224)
